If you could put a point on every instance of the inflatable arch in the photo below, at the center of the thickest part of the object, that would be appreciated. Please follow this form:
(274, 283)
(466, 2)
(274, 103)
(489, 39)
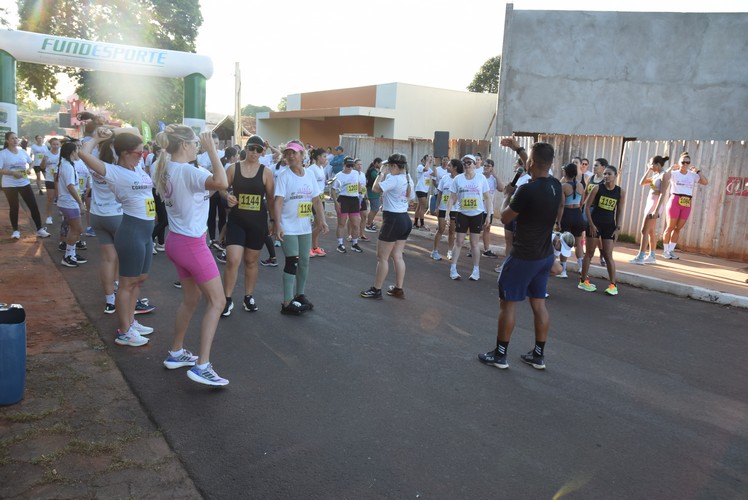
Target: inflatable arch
(47, 49)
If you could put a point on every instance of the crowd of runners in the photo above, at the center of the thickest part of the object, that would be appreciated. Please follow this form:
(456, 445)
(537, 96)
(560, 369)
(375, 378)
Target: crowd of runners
(199, 204)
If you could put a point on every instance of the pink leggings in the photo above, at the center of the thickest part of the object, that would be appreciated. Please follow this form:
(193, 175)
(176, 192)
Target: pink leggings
(675, 208)
(192, 257)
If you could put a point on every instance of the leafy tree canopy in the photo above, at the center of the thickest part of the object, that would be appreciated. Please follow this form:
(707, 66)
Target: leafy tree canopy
(164, 24)
(486, 80)
(282, 104)
(252, 110)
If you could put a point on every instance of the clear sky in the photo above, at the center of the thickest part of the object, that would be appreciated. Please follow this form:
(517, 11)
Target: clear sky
(293, 46)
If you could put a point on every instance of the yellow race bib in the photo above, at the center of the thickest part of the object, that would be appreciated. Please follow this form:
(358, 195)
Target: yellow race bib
(150, 207)
(445, 199)
(305, 209)
(607, 203)
(469, 203)
(684, 202)
(250, 202)
(352, 189)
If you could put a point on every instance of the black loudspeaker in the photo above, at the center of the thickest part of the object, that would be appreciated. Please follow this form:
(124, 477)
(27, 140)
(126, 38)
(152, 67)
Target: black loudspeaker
(64, 120)
(441, 143)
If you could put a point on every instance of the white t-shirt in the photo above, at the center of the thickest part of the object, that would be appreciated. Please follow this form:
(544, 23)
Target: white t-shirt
(84, 177)
(443, 188)
(470, 193)
(203, 159)
(683, 183)
(51, 168)
(524, 179)
(17, 162)
(132, 188)
(348, 184)
(186, 199)
(39, 152)
(297, 193)
(423, 175)
(395, 192)
(362, 182)
(266, 160)
(103, 201)
(277, 169)
(319, 174)
(68, 177)
(439, 175)
(491, 186)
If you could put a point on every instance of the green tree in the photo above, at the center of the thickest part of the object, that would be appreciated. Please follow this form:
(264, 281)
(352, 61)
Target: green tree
(252, 110)
(165, 24)
(486, 80)
(282, 104)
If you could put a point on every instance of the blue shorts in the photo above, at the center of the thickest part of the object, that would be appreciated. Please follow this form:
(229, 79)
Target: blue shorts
(524, 278)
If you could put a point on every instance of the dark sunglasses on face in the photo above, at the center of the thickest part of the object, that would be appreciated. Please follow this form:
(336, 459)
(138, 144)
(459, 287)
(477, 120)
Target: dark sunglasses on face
(686, 162)
(255, 149)
(467, 162)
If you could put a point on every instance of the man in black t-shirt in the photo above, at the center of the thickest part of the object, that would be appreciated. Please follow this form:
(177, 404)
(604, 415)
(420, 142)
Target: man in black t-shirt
(536, 206)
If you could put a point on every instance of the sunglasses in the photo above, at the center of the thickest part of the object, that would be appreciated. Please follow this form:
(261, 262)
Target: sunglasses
(255, 149)
(686, 162)
(467, 162)
(585, 163)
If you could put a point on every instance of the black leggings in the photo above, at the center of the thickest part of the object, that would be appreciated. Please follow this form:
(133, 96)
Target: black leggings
(270, 245)
(28, 197)
(162, 219)
(215, 206)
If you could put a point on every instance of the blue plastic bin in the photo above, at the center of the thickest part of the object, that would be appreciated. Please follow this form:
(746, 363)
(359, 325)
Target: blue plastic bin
(12, 353)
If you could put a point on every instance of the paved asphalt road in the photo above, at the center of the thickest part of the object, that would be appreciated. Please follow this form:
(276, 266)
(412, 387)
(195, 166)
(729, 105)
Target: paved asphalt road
(644, 395)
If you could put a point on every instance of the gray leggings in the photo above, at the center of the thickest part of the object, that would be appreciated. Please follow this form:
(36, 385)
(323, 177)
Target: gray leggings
(296, 246)
(106, 227)
(134, 246)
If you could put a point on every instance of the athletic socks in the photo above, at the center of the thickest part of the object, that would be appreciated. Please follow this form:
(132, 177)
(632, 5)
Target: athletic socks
(580, 262)
(176, 354)
(501, 347)
(69, 250)
(110, 299)
(563, 266)
(539, 346)
(340, 241)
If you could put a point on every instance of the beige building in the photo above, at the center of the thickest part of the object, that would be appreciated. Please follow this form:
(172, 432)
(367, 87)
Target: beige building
(390, 111)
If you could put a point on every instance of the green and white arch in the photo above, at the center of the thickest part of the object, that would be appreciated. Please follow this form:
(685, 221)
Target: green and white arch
(47, 49)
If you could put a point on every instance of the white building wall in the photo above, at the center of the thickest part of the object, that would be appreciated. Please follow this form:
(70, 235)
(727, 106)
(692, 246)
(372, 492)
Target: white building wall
(277, 131)
(644, 75)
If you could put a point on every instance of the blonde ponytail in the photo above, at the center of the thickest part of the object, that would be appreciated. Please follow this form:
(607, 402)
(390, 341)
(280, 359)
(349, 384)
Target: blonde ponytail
(169, 140)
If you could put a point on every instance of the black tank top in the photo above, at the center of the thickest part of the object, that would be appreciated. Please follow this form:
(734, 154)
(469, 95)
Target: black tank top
(250, 194)
(606, 204)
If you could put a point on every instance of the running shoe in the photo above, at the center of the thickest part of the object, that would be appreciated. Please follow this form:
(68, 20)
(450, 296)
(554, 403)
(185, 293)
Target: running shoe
(81, 245)
(69, 261)
(562, 274)
(131, 338)
(370, 228)
(177, 284)
(228, 307)
(311, 253)
(109, 308)
(371, 293)
(319, 251)
(154, 251)
(301, 299)
(363, 237)
(221, 256)
(207, 376)
(41, 233)
(666, 255)
(49, 221)
(350, 238)
(218, 245)
(141, 329)
(492, 358)
(186, 359)
(16, 235)
(490, 254)
(90, 232)
(537, 362)
(602, 262)
(142, 306)
(277, 243)
(249, 303)
(341, 248)
(79, 259)
(356, 248)
(586, 286)
(475, 275)
(271, 262)
(61, 246)
(449, 254)
(612, 289)
(293, 308)
(453, 274)
(651, 259)
(435, 255)
(673, 256)
(638, 260)
(470, 254)
(396, 292)
(159, 247)
(41, 193)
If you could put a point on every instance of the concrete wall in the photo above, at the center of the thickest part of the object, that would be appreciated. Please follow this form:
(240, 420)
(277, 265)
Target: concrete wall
(644, 75)
(277, 131)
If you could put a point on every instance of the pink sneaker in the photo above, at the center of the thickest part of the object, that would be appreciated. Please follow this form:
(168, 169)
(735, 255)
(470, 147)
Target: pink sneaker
(311, 253)
(319, 252)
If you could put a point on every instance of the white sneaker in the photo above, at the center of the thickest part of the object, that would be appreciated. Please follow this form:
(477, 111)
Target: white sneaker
(42, 233)
(673, 256)
(453, 274)
(49, 221)
(16, 235)
(649, 260)
(637, 260)
(141, 329)
(562, 274)
(131, 338)
(449, 254)
(435, 255)
(666, 255)
(475, 276)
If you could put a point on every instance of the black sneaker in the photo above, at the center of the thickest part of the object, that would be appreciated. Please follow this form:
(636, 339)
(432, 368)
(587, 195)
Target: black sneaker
(271, 262)
(490, 254)
(492, 358)
(177, 284)
(80, 245)
(69, 261)
(109, 308)
(221, 256)
(142, 306)
(61, 246)
(341, 248)
(372, 293)
(228, 307)
(249, 303)
(537, 362)
(356, 248)
(301, 299)
(396, 292)
(79, 259)
(294, 308)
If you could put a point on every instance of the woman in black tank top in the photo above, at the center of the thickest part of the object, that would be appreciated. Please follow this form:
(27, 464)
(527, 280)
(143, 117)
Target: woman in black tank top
(251, 186)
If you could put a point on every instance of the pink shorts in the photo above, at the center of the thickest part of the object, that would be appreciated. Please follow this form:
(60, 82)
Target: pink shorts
(679, 207)
(192, 257)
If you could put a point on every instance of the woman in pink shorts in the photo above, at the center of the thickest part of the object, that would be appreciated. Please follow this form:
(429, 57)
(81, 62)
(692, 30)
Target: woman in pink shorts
(680, 180)
(185, 190)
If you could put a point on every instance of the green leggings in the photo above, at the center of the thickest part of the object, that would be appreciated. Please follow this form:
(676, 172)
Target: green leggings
(296, 246)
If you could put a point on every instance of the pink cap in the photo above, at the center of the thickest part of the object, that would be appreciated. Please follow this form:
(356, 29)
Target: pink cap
(294, 146)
